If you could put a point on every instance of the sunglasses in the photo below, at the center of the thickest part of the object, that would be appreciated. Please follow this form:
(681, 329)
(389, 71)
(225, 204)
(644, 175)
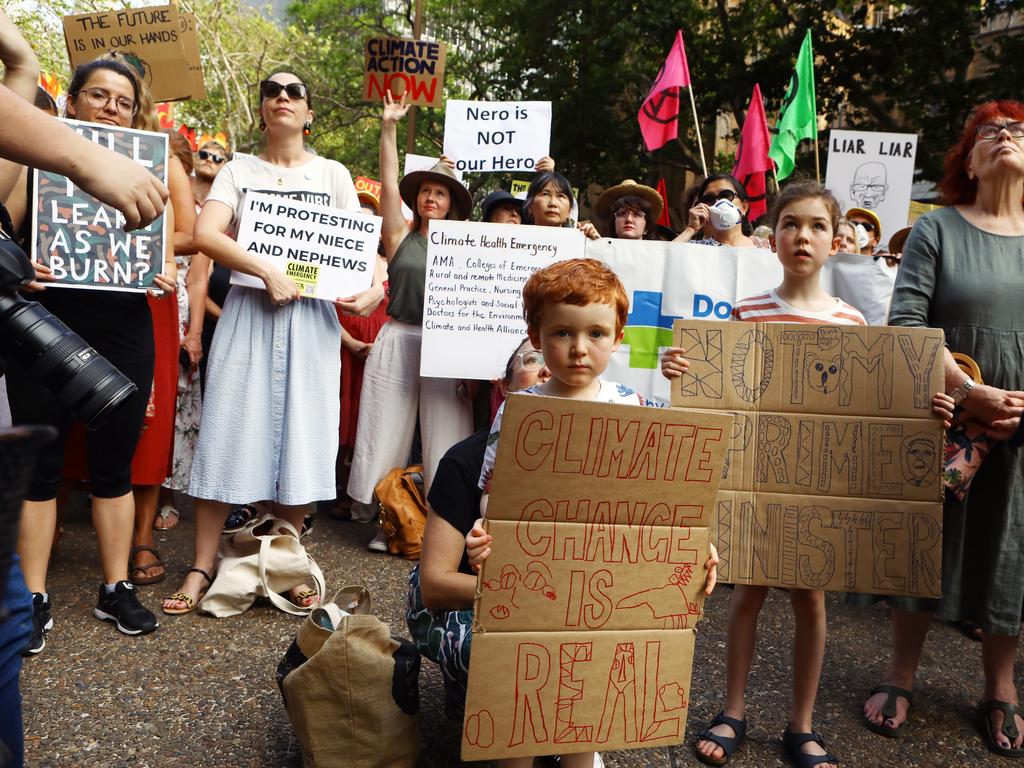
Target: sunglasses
(216, 159)
(725, 194)
(870, 227)
(271, 89)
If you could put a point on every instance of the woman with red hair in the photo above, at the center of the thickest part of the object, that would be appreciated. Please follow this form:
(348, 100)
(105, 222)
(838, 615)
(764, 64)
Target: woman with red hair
(963, 271)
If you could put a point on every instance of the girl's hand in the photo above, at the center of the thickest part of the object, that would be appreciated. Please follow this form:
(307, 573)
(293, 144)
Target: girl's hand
(163, 286)
(394, 110)
(43, 275)
(478, 545)
(673, 364)
(711, 566)
(942, 406)
(282, 289)
(698, 216)
(588, 229)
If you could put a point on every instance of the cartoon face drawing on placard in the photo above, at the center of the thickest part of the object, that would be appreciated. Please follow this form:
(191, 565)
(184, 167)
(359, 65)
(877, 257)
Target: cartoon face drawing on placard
(869, 185)
(918, 459)
(823, 372)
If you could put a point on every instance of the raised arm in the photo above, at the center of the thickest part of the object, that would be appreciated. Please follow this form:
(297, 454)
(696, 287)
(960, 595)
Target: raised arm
(394, 227)
(21, 76)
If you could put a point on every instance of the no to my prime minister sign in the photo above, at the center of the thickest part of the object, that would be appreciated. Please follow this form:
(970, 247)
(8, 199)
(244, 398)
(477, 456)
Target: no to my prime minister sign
(328, 252)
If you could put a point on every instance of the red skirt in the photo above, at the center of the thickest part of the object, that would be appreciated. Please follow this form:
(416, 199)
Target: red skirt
(363, 329)
(154, 453)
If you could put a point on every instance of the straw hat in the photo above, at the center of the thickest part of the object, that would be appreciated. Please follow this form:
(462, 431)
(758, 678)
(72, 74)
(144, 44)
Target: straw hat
(603, 206)
(409, 187)
(867, 214)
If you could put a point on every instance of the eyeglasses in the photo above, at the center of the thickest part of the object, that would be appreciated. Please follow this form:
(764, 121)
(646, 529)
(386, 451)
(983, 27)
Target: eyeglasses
(531, 360)
(98, 98)
(629, 213)
(725, 194)
(216, 159)
(271, 89)
(869, 226)
(991, 131)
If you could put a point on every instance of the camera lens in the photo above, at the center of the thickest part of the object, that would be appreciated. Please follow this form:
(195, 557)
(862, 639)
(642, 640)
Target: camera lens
(81, 379)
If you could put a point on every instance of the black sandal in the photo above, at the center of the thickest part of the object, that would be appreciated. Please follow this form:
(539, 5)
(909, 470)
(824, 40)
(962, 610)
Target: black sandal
(792, 742)
(892, 693)
(1009, 729)
(728, 744)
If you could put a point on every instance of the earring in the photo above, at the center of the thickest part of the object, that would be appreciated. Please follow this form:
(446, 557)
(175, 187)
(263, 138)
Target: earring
(306, 128)
(263, 125)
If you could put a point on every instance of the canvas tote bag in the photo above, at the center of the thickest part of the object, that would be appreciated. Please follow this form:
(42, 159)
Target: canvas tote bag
(263, 559)
(350, 688)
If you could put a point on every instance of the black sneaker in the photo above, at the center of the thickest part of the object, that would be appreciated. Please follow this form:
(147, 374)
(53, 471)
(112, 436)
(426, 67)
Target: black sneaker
(122, 607)
(42, 623)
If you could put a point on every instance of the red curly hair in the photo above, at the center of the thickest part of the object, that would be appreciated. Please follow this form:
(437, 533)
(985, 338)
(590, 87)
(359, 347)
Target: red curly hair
(957, 188)
(575, 281)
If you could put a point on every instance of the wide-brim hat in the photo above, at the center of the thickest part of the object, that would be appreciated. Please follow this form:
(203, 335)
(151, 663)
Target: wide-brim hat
(867, 213)
(496, 198)
(898, 240)
(409, 187)
(603, 206)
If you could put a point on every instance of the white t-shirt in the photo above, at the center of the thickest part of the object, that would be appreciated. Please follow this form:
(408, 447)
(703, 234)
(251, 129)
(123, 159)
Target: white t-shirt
(321, 181)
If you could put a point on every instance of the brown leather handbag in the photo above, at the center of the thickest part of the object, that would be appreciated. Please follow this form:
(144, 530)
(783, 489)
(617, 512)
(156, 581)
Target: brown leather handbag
(403, 510)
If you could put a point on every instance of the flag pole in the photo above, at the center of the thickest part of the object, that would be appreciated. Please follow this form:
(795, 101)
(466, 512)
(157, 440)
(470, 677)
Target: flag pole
(696, 125)
(817, 162)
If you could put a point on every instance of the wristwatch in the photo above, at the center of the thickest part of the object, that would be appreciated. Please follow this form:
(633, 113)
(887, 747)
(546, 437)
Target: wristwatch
(960, 392)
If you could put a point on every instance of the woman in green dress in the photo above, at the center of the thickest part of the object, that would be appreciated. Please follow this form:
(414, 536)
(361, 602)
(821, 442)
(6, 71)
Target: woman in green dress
(963, 271)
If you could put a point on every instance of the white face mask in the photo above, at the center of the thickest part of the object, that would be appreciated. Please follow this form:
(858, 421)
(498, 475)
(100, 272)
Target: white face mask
(725, 215)
(863, 238)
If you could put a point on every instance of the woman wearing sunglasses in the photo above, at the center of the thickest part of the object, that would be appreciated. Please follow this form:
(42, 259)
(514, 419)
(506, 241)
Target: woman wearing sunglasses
(269, 429)
(719, 215)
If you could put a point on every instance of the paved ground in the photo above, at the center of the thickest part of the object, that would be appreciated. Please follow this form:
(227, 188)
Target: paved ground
(200, 692)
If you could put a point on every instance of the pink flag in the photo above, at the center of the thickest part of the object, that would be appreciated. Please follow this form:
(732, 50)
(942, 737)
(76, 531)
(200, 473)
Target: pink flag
(659, 115)
(664, 220)
(752, 161)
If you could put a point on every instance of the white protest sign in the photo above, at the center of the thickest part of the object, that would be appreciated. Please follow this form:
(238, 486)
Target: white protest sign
(493, 136)
(868, 169)
(473, 305)
(328, 252)
(862, 281)
(420, 163)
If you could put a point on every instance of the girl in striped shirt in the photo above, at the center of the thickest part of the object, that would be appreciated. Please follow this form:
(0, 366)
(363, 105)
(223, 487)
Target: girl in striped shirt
(805, 220)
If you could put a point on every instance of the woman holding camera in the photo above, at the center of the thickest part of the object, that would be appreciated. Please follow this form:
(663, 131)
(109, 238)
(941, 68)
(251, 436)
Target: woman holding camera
(119, 326)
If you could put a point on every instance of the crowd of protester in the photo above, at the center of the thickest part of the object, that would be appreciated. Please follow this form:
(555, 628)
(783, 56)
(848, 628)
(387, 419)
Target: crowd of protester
(328, 398)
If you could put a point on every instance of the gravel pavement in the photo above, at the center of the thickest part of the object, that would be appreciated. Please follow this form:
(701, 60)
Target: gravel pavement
(201, 692)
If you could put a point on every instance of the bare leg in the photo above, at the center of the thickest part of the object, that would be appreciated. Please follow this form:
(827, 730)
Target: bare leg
(741, 636)
(997, 654)
(112, 519)
(516, 762)
(909, 630)
(35, 537)
(579, 760)
(210, 517)
(146, 498)
(809, 631)
(295, 515)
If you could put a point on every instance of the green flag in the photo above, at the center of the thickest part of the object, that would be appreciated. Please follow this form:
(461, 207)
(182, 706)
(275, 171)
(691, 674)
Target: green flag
(798, 119)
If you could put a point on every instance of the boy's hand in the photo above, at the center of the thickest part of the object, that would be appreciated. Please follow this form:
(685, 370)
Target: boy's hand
(478, 545)
(942, 406)
(711, 566)
(673, 364)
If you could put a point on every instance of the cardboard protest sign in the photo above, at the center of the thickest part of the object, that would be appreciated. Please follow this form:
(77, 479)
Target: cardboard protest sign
(151, 37)
(328, 252)
(493, 136)
(666, 281)
(473, 303)
(368, 186)
(873, 170)
(833, 477)
(419, 163)
(190, 45)
(583, 635)
(82, 240)
(401, 65)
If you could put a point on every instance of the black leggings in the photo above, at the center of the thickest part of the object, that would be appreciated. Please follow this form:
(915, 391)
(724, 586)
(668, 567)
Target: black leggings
(120, 328)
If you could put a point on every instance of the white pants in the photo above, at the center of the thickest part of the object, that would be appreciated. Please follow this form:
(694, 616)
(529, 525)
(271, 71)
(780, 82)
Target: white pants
(393, 391)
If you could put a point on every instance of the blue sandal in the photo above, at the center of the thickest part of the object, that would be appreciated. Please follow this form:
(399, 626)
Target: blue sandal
(728, 744)
(792, 743)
